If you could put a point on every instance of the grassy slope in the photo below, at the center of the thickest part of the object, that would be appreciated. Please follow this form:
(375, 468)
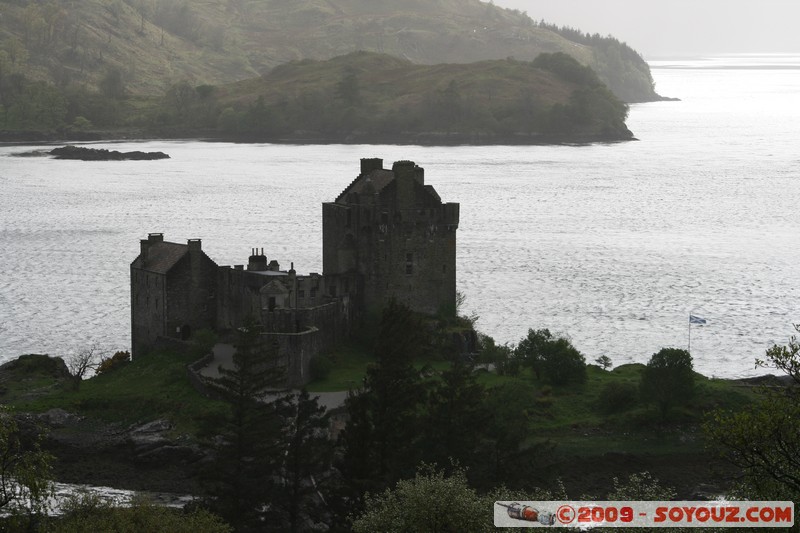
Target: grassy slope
(223, 41)
(145, 389)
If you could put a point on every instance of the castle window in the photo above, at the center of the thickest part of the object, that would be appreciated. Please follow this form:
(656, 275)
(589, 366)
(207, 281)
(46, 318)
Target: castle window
(301, 293)
(384, 218)
(314, 292)
(349, 218)
(444, 269)
(271, 303)
(333, 290)
(409, 264)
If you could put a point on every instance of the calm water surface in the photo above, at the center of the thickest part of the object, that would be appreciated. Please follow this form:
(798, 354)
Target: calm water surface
(612, 245)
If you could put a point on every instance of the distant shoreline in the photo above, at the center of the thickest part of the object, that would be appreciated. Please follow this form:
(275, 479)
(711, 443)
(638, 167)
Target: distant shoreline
(410, 139)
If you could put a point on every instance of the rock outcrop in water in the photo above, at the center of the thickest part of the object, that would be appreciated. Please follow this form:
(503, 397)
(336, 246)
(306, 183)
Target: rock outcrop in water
(101, 154)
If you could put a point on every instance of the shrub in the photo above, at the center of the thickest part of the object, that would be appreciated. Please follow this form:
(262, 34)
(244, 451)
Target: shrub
(668, 379)
(502, 356)
(114, 362)
(618, 396)
(562, 363)
(554, 358)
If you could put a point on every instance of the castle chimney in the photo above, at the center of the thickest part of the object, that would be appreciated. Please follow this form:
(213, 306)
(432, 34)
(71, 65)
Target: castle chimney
(195, 245)
(257, 263)
(144, 244)
(404, 175)
(370, 164)
(419, 175)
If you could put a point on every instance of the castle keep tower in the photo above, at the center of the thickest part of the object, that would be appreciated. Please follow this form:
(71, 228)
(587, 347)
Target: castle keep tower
(390, 234)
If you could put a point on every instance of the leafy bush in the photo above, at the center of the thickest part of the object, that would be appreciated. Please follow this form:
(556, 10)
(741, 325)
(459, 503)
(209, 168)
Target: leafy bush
(616, 397)
(641, 486)
(554, 358)
(563, 363)
(431, 501)
(502, 356)
(114, 362)
(668, 379)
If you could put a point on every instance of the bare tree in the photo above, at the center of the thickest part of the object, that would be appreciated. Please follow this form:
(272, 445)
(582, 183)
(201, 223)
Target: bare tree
(80, 363)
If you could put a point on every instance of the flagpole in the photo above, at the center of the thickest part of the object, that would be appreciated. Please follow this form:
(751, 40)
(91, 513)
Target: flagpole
(690, 335)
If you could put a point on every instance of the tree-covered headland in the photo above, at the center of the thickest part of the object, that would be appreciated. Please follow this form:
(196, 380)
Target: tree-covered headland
(361, 97)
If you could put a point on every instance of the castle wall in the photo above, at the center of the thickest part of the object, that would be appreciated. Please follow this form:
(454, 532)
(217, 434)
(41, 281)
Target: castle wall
(148, 309)
(297, 350)
(191, 296)
(413, 259)
(239, 297)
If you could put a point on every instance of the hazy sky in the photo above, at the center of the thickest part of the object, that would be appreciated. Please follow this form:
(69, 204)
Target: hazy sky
(678, 27)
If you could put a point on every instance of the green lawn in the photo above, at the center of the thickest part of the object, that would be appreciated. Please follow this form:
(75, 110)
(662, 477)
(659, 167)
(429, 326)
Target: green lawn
(350, 363)
(150, 387)
(574, 412)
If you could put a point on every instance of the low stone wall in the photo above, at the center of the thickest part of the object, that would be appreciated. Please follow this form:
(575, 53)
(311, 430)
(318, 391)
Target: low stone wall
(298, 349)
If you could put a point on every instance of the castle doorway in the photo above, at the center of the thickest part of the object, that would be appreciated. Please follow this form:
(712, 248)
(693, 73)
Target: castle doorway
(186, 332)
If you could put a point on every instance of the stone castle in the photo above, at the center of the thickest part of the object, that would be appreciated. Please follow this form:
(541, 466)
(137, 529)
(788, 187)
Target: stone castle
(387, 235)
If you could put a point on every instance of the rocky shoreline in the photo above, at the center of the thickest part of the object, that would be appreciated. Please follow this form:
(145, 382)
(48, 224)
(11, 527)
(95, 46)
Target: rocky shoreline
(142, 457)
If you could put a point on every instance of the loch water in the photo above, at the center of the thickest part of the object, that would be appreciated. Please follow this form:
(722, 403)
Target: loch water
(613, 245)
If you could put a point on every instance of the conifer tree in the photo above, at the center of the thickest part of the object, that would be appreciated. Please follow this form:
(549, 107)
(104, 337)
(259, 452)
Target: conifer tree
(307, 479)
(458, 420)
(380, 440)
(243, 478)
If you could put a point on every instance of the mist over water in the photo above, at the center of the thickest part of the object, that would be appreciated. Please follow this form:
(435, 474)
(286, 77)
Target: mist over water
(613, 245)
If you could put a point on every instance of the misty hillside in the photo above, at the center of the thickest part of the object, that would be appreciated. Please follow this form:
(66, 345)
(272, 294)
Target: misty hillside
(153, 44)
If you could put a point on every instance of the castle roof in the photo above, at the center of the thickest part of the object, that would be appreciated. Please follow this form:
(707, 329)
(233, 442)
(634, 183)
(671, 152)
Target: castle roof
(375, 180)
(161, 257)
(368, 183)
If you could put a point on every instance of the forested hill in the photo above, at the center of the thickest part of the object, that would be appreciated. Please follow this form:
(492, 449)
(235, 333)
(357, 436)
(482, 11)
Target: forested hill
(367, 97)
(146, 46)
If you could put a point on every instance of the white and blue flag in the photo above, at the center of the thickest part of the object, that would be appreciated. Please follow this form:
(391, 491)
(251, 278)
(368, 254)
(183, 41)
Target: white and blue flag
(696, 320)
